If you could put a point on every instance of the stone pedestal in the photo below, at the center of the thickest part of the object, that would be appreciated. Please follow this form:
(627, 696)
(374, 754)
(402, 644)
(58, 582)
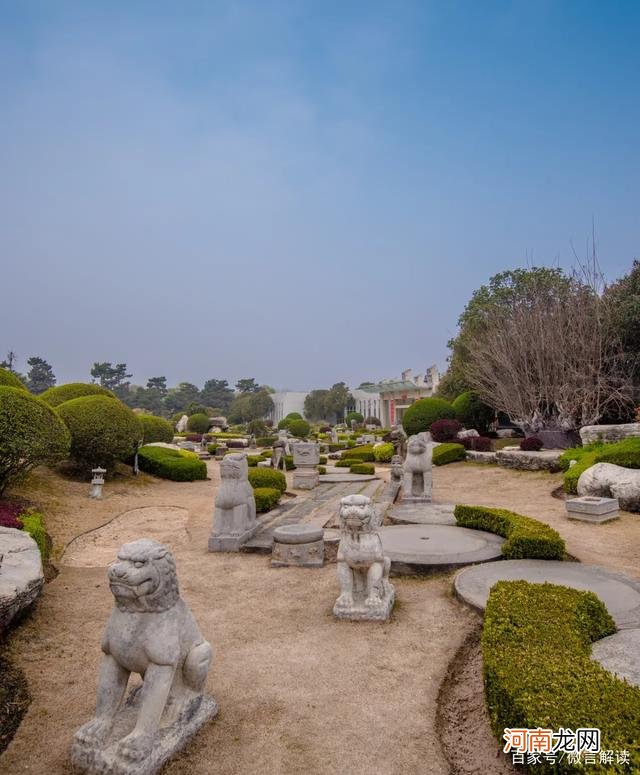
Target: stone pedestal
(301, 545)
(305, 478)
(590, 508)
(306, 456)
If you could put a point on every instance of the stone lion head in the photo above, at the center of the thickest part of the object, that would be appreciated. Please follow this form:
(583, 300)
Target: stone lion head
(356, 513)
(143, 578)
(234, 466)
(416, 446)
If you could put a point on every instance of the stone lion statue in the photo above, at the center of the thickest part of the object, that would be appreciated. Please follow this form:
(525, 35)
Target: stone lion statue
(417, 470)
(363, 569)
(151, 632)
(234, 518)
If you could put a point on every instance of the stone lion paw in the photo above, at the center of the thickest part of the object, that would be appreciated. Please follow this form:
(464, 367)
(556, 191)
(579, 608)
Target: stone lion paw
(94, 731)
(372, 601)
(135, 746)
(345, 601)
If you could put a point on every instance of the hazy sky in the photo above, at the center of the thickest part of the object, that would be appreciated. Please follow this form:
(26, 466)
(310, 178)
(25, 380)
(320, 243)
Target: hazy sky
(301, 191)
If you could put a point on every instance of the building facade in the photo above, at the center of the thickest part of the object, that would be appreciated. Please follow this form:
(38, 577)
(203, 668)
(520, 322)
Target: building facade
(285, 402)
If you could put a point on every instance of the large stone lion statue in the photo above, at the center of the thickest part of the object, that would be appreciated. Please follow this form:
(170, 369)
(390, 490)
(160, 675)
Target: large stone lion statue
(152, 632)
(417, 470)
(363, 568)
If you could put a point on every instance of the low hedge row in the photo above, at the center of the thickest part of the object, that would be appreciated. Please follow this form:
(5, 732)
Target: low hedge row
(384, 452)
(536, 645)
(345, 462)
(253, 460)
(259, 478)
(363, 468)
(448, 453)
(177, 465)
(265, 441)
(266, 498)
(322, 470)
(364, 453)
(624, 453)
(526, 538)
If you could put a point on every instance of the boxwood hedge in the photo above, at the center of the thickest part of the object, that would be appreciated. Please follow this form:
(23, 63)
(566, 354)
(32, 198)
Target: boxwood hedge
(536, 645)
(55, 396)
(422, 413)
(267, 477)
(448, 453)
(155, 429)
(384, 452)
(179, 465)
(525, 537)
(266, 498)
(363, 468)
(9, 379)
(364, 453)
(345, 462)
(624, 453)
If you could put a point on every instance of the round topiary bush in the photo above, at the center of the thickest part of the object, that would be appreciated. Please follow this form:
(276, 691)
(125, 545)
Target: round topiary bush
(55, 396)
(363, 468)
(372, 421)
(445, 430)
(155, 429)
(354, 416)
(294, 416)
(9, 379)
(178, 465)
(472, 412)
(299, 428)
(103, 430)
(384, 452)
(531, 444)
(31, 433)
(266, 498)
(198, 423)
(267, 477)
(421, 415)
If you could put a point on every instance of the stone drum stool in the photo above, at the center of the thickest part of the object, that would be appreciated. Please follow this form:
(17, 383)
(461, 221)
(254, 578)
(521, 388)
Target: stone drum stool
(301, 545)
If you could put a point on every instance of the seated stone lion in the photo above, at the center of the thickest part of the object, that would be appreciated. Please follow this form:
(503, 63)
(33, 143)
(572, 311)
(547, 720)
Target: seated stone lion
(152, 632)
(417, 470)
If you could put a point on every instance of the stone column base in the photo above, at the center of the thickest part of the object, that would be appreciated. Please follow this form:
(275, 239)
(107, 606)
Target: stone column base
(360, 612)
(305, 478)
(304, 555)
(230, 543)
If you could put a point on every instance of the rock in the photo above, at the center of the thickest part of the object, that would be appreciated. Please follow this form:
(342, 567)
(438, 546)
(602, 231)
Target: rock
(234, 520)
(21, 576)
(590, 433)
(545, 460)
(152, 632)
(470, 434)
(416, 483)
(363, 569)
(301, 545)
(611, 481)
(181, 425)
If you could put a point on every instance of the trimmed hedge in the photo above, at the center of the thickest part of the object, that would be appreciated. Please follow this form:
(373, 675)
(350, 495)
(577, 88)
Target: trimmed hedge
(364, 453)
(103, 430)
(322, 470)
(536, 645)
(155, 429)
(624, 453)
(198, 422)
(448, 453)
(33, 524)
(421, 415)
(363, 468)
(267, 477)
(266, 441)
(345, 462)
(9, 379)
(526, 538)
(55, 396)
(472, 412)
(323, 460)
(253, 460)
(383, 453)
(266, 498)
(179, 465)
(299, 428)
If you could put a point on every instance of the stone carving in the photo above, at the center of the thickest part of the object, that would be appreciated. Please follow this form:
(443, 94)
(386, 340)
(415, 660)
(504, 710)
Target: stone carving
(284, 437)
(334, 436)
(399, 441)
(306, 456)
(97, 482)
(152, 632)
(363, 570)
(611, 481)
(397, 470)
(590, 433)
(278, 455)
(301, 545)
(234, 519)
(416, 486)
(182, 423)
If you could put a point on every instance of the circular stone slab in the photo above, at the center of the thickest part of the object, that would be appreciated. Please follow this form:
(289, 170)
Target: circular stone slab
(620, 654)
(297, 534)
(422, 514)
(438, 546)
(619, 593)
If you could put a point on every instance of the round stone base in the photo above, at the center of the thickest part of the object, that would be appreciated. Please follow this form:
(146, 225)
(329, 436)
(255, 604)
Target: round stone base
(308, 555)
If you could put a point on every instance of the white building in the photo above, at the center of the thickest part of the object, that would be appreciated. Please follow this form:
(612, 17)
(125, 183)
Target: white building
(285, 402)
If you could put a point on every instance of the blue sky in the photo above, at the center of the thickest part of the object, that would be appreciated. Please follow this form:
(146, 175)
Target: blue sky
(302, 192)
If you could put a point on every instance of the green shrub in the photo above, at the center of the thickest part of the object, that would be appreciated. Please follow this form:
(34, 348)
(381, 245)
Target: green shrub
(211, 448)
(267, 477)
(289, 464)
(198, 423)
(9, 379)
(155, 429)
(323, 460)
(294, 416)
(266, 441)
(337, 447)
(363, 453)
(31, 433)
(448, 453)
(55, 396)
(253, 460)
(536, 645)
(363, 468)
(383, 453)
(472, 412)
(526, 538)
(179, 465)
(321, 470)
(266, 498)
(33, 524)
(345, 462)
(422, 413)
(624, 453)
(103, 430)
(299, 428)
(354, 416)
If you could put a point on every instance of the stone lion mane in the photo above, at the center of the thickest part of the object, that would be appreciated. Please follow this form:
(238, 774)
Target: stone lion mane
(159, 560)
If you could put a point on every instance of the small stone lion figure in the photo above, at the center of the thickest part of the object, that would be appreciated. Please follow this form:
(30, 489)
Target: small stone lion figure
(234, 518)
(152, 632)
(363, 569)
(417, 471)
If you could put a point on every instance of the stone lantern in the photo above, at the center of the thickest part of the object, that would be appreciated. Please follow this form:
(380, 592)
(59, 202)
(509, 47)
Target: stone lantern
(97, 482)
